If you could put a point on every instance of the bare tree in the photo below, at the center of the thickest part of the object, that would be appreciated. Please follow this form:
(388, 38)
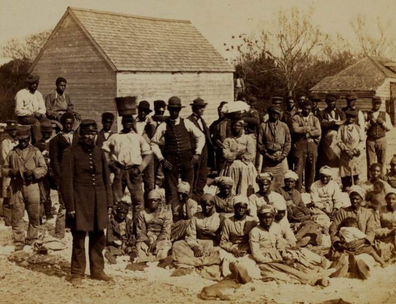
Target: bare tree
(374, 39)
(25, 49)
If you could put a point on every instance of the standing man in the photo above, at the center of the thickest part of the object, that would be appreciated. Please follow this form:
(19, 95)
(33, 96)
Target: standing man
(128, 154)
(105, 133)
(275, 102)
(331, 119)
(377, 124)
(25, 165)
(306, 132)
(201, 168)
(86, 190)
(178, 156)
(30, 107)
(288, 113)
(62, 141)
(274, 144)
(146, 128)
(8, 143)
(315, 99)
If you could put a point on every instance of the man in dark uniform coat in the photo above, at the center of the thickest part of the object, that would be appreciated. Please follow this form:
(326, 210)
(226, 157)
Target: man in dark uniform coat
(201, 168)
(86, 190)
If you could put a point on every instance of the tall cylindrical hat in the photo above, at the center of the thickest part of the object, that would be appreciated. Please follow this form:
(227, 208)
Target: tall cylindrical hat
(126, 105)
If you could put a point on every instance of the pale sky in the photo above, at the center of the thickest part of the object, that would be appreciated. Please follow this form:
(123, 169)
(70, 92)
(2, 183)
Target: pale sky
(217, 20)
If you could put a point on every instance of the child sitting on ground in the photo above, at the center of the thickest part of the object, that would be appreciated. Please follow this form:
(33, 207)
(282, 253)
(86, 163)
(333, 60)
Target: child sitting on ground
(120, 237)
(350, 232)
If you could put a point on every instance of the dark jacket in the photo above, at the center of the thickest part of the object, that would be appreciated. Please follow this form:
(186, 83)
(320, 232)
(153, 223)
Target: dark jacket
(114, 233)
(85, 188)
(209, 144)
(101, 139)
(326, 124)
(57, 147)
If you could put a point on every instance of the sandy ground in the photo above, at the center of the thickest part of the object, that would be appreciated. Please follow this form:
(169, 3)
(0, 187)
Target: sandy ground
(154, 285)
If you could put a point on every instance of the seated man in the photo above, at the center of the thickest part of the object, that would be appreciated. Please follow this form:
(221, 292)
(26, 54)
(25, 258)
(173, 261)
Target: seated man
(390, 177)
(235, 241)
(153, 229)
(30, 107)
(202, 237)
(58, 103)
(119, 238)
(325, 195)
(375, 179)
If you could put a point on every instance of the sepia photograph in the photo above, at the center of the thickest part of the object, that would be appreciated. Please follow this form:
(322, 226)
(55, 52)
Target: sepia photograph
(197, 151)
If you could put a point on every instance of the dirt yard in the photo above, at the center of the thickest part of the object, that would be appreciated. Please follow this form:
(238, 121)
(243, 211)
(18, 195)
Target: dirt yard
(49, 285)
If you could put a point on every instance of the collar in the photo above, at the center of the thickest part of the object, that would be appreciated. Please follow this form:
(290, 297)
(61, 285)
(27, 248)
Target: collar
(70, 133)
(176, 121)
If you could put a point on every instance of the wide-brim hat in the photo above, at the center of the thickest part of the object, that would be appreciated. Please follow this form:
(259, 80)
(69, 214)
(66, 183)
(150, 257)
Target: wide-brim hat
(145, 105)
(175, 102)
(11, 125)
(46, 125)
(126, 105)
(23, 132)
(198, 102)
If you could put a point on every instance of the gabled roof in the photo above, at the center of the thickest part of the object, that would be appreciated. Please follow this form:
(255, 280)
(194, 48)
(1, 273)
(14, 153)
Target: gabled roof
(366, 75)
(142, 44)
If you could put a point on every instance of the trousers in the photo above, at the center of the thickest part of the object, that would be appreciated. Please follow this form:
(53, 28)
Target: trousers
(305, 157)
(97, 242)
(375, 153)
(34, 124)
(26, 197)
(180, 166)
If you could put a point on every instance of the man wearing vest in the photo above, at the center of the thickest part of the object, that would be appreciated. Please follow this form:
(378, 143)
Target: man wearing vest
(351, 105)
(201, 168)
(178, 155)
(377, 124)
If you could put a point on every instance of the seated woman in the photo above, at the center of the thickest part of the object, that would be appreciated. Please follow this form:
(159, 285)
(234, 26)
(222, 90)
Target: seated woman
(297, 212)
(234, 242)
(188, 207)
(239, 152)
(325, 197)
(276, 261)
(202, 237)
(386, 232)
(375, 178)
(264, 196)
(367, 223)
(224, 198)
(153, 229)
(281, 219)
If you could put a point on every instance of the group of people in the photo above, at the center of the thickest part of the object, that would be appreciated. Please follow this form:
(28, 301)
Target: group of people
(271, 209)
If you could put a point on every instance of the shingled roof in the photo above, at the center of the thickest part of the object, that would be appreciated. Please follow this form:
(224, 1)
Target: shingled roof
(144, 44)
(366, 75)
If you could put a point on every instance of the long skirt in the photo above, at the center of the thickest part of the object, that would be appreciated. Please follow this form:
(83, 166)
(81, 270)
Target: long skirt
(183, 254)
(244, 177)
(178, 230)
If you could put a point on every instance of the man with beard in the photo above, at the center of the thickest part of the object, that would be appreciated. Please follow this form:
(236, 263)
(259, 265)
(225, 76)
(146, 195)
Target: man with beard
(86, 190)
(30, 107)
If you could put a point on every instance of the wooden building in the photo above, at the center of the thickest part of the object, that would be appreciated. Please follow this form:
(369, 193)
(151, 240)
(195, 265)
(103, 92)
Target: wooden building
(103, 55)
(372, 76)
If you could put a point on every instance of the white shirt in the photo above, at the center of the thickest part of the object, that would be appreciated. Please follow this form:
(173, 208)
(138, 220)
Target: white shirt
(127, 148)
(27, 103)
(157, 139)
